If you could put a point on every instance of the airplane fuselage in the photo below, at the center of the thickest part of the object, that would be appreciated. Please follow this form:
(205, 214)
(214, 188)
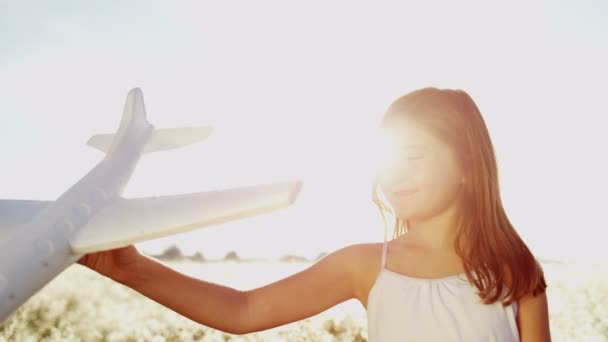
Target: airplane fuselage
(40, 239)
(39, 250)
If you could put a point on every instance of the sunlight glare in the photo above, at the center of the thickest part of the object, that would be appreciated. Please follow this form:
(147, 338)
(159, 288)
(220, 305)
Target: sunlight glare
(381, 152)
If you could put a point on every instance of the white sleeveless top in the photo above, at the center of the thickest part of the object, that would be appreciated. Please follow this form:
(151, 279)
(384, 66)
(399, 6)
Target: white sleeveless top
(403, 308)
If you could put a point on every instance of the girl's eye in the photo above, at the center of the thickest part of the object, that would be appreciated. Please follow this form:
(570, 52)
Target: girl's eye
(410, 156)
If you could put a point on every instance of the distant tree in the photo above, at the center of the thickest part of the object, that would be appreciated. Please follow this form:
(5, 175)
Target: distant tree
(172, 253)
(321, 256)
(293, 258)
(231, 256)
(198, 257)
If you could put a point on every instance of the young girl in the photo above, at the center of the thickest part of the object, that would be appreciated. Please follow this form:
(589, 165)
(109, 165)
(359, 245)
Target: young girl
(455, 270)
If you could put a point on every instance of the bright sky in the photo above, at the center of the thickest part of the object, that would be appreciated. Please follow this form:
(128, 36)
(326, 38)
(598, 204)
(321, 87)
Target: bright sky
(294, 90)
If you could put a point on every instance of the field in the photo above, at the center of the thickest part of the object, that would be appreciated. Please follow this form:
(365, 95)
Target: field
(80, 305)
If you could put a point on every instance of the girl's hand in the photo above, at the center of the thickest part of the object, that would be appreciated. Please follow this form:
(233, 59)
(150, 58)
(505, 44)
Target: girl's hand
(121, 264)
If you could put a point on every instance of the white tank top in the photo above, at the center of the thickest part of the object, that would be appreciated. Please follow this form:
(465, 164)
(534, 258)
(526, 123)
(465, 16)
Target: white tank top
(403, 308)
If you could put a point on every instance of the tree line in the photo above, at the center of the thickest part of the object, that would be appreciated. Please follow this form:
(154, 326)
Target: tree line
(173, 253)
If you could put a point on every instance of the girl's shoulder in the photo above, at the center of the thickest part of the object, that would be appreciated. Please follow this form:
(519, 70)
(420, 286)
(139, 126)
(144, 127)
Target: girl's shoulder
(361, 255)
(361, 252)
(365, 255)
(365, 261)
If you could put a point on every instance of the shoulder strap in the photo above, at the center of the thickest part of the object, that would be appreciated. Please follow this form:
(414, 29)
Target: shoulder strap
(384, 253)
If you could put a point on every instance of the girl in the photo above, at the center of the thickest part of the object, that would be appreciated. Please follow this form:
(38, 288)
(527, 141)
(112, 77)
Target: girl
(455, 270)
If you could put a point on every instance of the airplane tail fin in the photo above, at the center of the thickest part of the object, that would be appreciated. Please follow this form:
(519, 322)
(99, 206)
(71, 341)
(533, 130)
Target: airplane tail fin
(134, 123)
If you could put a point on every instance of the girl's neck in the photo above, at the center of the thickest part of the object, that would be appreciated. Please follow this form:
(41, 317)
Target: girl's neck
(435, 234)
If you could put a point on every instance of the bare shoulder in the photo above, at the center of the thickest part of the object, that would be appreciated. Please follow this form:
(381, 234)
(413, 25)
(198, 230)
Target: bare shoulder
(339, 276)
(364, 260)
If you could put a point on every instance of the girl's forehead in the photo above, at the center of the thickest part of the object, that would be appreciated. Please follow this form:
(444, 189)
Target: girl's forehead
(406, 133)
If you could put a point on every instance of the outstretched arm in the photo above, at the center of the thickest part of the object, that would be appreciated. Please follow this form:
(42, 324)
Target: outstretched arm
(326, 283)
(213, 305)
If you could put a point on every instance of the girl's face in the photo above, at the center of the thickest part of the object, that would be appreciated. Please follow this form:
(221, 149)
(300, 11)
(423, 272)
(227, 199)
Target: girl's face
(421, 176)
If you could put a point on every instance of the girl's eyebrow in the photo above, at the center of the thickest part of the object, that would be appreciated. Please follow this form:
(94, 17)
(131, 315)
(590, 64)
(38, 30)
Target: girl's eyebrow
(412, 149)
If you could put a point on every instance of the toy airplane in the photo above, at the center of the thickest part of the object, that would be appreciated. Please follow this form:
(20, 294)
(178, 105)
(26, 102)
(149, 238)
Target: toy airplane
(39, 239)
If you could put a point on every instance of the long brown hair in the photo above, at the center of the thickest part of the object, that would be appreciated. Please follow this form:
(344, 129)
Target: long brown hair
(492, 252)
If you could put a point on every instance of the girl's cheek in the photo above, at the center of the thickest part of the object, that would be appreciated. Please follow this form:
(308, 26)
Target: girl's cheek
(412, 172)
(444, 177)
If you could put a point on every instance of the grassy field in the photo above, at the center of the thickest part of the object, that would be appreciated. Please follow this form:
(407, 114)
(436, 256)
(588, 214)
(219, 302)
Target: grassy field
(80, 305)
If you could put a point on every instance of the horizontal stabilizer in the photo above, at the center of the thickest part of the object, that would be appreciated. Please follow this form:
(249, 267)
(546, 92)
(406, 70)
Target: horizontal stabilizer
(102, 142)
(161, 139)
(129, 221)
(170, 138)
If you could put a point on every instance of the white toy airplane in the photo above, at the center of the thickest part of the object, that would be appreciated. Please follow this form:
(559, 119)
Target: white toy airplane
(39, 239)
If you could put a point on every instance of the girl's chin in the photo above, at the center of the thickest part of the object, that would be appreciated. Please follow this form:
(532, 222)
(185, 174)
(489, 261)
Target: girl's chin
(405, 215)
(409, 214)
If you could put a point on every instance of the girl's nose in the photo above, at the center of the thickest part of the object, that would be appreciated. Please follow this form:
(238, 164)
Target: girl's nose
(397, 169)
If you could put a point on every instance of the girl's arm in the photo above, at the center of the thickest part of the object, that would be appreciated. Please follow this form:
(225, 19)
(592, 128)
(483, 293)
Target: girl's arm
(213, 305)
(533, 318)
(328, 282)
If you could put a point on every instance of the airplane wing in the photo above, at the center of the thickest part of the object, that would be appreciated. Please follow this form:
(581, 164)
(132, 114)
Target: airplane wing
(16, 212)
(128, 221)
